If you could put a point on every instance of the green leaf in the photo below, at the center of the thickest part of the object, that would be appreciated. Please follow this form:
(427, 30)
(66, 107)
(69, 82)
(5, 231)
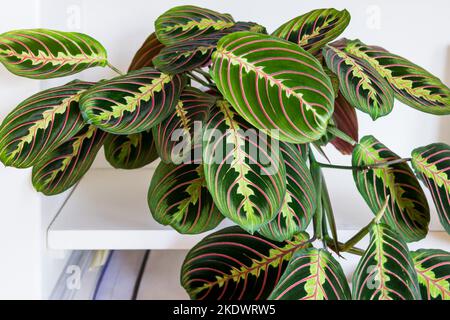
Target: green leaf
(312, 274)
(178, 197)
(360, 83)
(386, 271)
(412, 84)
(432, 166)
(132, 103)
(40, 123)
(181, 131)
(433, 270)
(275, 85)
(300, 201)
(233, 265)
(244, 169)
(144, 56)
(44, 53)
(188, 22)
(408, 213)
(187, 55)
(130, 151)
(314, 29)
(194, 53)
(65, 165)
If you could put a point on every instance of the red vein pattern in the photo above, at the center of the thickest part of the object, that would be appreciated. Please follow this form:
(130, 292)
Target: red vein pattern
(64, 166)
(407, 212)
(432, 166)
(312, 274)
(132, 103)
(176, 135)
(360, 83)
(131, 151)
(386, 271)
(233, 265)
(433, 271)
(184, 23)
(300, 201)
(178, 197)
(194, 53)
(412, 85)
(314, 29)
(275, 85)
(40, 123)
(44, 53)
(244, 169)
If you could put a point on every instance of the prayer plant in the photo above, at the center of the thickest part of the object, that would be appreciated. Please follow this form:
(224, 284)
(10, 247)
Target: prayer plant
(237, 117)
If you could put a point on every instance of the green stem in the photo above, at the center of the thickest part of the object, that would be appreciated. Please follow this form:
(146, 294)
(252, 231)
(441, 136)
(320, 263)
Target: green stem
(366, 167)
(341, 135)
(205, 74)
(364, 231)
(316, 175)
(114, 69)
(354, 250)
(329, 215)
(201, 81)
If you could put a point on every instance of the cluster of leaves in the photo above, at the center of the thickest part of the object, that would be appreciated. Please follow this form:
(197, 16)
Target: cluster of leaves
(296, 86)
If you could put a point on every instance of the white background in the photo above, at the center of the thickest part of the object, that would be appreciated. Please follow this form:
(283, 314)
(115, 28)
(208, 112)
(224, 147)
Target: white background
(418, 30)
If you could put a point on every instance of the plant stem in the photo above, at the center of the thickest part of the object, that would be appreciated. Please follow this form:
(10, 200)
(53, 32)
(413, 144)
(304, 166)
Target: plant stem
(364, 231)
(367, 167)
(202, 82)
(316, 175)
(341, 135)
(115, 69)
(205, 74)
(329, 215)
(354, 250)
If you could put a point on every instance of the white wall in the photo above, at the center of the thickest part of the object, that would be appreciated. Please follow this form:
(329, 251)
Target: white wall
(417, 30)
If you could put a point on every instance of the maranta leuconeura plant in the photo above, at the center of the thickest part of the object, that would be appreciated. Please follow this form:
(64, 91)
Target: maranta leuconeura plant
(237, 117)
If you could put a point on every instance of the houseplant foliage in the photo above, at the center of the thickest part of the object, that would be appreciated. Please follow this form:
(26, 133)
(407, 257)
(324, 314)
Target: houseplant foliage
(237, 117)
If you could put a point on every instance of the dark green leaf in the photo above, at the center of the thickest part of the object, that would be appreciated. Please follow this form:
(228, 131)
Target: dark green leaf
(64, 166)
(360, 83)
(314, 29)
(188, 22)
(412, 84)
(233, 265)
(275, 85)
(300, 201)
(178, 197)
(40, 123)
(180, 132)
(132, 103)
(386, 271)
(408, 212)
(130, 151)
(244, 169)
(432, 166)
(312, 274)
(433, 270)
(44, 53)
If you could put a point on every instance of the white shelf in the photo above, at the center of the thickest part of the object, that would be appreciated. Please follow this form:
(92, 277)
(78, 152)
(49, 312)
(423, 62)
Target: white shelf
(108, 210)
